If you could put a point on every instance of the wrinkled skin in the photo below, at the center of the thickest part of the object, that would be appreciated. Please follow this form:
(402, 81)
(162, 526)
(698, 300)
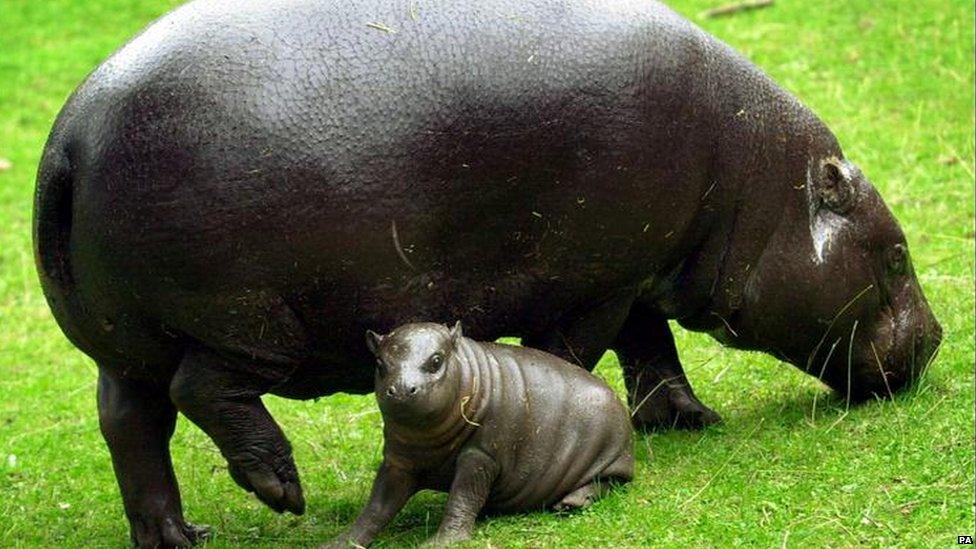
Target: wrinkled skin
(226, 204)
(498, 427)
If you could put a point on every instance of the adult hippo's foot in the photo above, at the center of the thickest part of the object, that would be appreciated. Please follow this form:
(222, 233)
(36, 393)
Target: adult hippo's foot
(661, 399)
(166, 532)
(658, 392)
(225, 401)
(137, 421)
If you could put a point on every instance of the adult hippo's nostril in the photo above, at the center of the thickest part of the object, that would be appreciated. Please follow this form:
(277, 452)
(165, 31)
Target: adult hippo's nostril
(413, 390)
(391, 390)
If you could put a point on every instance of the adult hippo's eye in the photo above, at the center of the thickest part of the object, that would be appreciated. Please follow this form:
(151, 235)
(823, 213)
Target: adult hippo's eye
(897, 259)
(380, 368)
(435, 362)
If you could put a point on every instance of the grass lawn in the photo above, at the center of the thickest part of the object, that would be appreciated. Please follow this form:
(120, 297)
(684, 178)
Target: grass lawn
(788, 467)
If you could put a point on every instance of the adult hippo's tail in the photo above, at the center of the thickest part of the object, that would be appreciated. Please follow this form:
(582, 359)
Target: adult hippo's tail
(53, 208)
(52, 218)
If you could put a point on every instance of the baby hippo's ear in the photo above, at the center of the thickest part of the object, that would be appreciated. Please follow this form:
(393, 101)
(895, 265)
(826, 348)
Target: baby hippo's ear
(373, 341)
(456, 332)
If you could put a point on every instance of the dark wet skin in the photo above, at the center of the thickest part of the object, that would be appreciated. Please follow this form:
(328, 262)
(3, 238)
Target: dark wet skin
(226, 204)
(498, 427)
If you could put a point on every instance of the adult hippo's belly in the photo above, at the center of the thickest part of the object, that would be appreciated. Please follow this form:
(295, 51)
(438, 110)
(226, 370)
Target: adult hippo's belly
(228, 202)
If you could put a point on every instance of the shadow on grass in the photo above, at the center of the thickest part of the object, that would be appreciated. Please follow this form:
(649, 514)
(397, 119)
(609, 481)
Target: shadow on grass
(419, 520)
(811, 405)
(414, 524)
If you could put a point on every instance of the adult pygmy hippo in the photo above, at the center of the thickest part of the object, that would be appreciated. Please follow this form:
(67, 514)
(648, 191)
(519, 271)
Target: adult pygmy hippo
(502, 427)
(228, 202)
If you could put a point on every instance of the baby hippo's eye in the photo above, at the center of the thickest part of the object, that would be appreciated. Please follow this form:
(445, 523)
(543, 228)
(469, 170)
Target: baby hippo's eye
(380, 368)
(435, 362)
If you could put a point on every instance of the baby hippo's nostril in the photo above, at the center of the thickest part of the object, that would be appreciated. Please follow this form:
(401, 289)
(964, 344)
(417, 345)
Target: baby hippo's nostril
(391, 390)
(413, 390)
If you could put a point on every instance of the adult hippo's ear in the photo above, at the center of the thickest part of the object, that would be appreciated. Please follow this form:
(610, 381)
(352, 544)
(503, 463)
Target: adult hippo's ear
(835, 186)
(373, 341)
(456, 332)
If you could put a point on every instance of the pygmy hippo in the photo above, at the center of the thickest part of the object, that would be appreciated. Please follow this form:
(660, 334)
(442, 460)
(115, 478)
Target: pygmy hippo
(500, 427)
(235, 196)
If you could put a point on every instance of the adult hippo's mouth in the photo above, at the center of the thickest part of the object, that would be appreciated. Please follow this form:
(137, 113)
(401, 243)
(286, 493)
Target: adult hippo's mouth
(877, 359)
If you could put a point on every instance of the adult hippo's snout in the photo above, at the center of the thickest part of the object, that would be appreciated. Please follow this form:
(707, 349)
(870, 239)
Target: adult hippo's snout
(895, 355)
(877, 359)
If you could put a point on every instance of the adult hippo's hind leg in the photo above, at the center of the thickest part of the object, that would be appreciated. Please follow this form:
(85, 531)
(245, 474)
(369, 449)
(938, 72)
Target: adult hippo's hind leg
(137, 421)
(223, 398)
(658, 392)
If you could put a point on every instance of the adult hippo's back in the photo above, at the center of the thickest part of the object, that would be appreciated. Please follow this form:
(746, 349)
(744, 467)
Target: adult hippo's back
(229, 201)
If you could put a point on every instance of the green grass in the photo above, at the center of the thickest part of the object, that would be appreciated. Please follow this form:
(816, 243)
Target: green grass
(893, 79)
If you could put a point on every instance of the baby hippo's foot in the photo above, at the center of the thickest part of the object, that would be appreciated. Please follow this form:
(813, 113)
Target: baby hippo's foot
(581, 497)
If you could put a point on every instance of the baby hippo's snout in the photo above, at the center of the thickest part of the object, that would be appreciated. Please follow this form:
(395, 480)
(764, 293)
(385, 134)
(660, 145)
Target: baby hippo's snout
(400, 391)
(401, 398)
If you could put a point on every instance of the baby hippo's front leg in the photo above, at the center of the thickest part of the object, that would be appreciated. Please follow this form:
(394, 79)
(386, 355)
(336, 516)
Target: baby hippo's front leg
(391, 490)
(474, 475)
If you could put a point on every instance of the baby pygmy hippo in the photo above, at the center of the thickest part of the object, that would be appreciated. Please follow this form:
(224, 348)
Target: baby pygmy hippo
(499, 427)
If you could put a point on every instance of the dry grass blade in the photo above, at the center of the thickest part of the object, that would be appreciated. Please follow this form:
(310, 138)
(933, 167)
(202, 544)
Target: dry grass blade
(380, 27)
(464, 401)
(399, 248)
(724, 464)
(850, 352)
(884, 377)
(816, 349)
(730, 9)
(813, 410)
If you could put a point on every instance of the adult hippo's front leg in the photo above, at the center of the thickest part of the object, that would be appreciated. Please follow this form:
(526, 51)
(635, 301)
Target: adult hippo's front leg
(658, 392)
(225, 402)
